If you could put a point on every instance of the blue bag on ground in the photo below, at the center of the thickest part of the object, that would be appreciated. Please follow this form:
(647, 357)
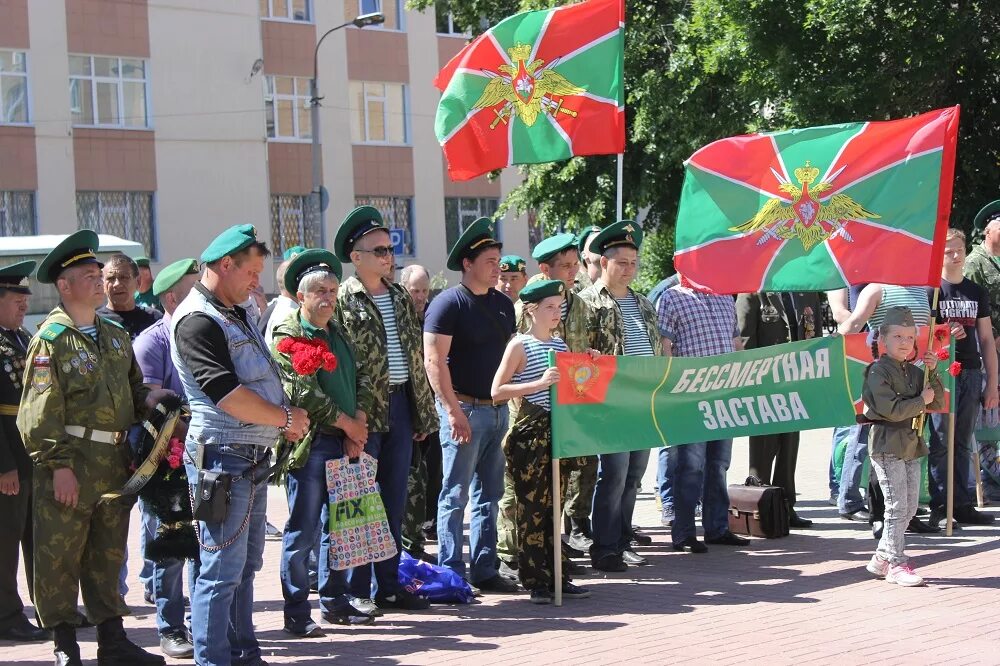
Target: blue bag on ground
(437, 584)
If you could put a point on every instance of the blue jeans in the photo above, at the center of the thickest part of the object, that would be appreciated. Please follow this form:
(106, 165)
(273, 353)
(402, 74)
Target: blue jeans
(618, 476)
(393, 450)
(166, 580)
(839, 433)
(849, 500)
(968, 396)
(308, 502)
(664, 478)
(475, 469)
(222, 601)
(700, 474)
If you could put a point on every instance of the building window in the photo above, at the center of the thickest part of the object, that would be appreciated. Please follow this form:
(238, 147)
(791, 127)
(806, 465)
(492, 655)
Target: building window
(128, 215)
(397, 214)
(460, 212)
(13, 87)
(393, 10)
(286, 105)
(378, 113)
(294, 221)
(108, 92)
(289, 10)
(446, 23)
(17, 214)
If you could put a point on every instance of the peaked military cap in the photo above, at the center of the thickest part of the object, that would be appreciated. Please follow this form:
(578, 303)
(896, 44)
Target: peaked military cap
(626, 233)
(142, 261)
(897, 315)
(581, 239)
(481, 233)
(77, 249)
(311, 261)
(512, 264)
(292, 251)
(552, 246)
(359, 222)
(536, 291)
(13, 277)
(172, 274)
(984, 215)
(232, 240)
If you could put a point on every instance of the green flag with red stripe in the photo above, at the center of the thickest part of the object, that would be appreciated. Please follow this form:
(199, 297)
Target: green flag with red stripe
(819, 208)
(538, 87)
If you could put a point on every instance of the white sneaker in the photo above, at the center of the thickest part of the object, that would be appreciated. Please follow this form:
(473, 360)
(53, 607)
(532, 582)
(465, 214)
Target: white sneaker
(877, 566)
(366, 606)
(902, 574)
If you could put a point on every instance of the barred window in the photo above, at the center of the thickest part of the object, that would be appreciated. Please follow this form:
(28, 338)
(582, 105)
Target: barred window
(397, 213)
(127, 215)
(286, 107)
(294, 221)
(460, 212)
(108, 92)
(17, 214)
(13, 87)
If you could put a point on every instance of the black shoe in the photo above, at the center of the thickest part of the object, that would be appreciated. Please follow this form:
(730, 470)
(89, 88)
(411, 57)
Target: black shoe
(640, 539)
(633, 559)
(571, 591)
(67, 651)
(727, 538)
(612, 563)
(541, 596)
(498, 584)
(937, 517)
(348, 615)
(691, 545)
(302, 628)
(21, 630)
(573, 568)
(572, 551)
(402, 600)
(115, 649)
(422, 555)
(798, 522)
(969, 516)
(859, 516)
(177, 646)
(922, 511)
(918, 526)
(877, 527)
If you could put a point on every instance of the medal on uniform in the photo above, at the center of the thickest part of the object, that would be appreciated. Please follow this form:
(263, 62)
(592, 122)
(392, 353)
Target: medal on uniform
(7, 367)
(116, 344)
(75, 362)
(67, 367)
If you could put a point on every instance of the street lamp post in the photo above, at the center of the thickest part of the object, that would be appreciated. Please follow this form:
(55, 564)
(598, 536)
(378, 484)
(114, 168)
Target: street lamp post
(361, 21)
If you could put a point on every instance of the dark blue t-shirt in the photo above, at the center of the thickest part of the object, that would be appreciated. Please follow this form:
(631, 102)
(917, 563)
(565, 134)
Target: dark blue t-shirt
(480, 327)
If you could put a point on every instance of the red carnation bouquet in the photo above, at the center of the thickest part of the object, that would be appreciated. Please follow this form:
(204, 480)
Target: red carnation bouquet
(308, 356)
(941, 337)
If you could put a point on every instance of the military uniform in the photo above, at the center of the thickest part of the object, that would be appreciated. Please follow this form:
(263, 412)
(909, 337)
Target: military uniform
(984, 269)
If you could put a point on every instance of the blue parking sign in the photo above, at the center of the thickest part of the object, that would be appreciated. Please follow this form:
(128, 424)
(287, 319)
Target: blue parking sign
(396, 236)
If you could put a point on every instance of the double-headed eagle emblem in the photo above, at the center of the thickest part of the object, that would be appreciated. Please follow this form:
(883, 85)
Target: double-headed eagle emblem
(806, 218)
(525, 89)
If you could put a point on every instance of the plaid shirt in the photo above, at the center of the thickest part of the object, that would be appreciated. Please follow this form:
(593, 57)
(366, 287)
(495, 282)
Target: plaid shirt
(696, 323)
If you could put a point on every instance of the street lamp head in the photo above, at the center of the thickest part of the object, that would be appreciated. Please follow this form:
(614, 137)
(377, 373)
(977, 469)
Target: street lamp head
(364, 20)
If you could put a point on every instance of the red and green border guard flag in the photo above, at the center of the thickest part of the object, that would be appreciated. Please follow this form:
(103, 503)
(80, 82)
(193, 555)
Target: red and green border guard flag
(538, 87)
(819, 208)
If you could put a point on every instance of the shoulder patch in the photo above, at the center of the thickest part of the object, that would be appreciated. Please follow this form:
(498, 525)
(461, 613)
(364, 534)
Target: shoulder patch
(112, 322)
(51, 332)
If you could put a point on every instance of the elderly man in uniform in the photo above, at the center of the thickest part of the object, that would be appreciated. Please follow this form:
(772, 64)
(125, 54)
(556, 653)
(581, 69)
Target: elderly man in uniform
(15, 465)
(144, 291)
(512, 276)
(152, 352)
(465, 333)
(238, 411)
(83, 389)
(381, 321)
(625, 324)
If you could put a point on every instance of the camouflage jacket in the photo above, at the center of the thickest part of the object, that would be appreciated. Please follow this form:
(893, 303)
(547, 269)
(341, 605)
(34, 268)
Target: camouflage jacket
(70, 380)
(12, 455)
(360, 318)
(984, 270)
(609, 329)
(577, 328)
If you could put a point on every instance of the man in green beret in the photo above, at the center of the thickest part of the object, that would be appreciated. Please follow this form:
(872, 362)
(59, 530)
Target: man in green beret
(82, 390)
(625, 324)
(512, 276)
(15, 465)
(382, 322)
(144, 293)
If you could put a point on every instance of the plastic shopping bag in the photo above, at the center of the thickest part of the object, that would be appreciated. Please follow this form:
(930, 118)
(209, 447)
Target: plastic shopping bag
(437, 584)
(359, 531)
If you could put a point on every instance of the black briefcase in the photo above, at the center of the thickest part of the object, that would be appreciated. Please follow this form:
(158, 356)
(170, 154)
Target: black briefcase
(758, 510)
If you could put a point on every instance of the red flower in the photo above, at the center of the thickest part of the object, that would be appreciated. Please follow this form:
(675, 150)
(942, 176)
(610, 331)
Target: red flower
(173, 461)
(307, 356)
(943, 353)
(954, 369)
(941, 333)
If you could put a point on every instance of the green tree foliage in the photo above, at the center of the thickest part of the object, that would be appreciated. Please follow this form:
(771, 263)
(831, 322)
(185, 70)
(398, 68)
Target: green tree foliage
(701, 70)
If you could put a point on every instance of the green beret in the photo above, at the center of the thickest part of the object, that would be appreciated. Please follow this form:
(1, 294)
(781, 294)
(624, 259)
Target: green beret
(581, 239)
(311, 261)
(552, 246)
(12, 277)
(292, 251)
(360, 221)
(536, 291)
(626, 233)
(77, 249)
(232, 240)
(512, 264)
(480, 233)
(985, 213)
(142, 261)
(897, 315)
(172, 274)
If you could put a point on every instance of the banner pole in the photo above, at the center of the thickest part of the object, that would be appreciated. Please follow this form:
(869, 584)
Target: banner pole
(979, 476)
(556, 533)
(620, 177)
(931, 325)
(950, 508)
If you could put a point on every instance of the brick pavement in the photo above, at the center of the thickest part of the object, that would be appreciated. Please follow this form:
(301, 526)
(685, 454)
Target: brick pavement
(777, 601)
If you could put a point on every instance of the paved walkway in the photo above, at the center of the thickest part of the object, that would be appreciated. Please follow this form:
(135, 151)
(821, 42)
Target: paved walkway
(802, 599)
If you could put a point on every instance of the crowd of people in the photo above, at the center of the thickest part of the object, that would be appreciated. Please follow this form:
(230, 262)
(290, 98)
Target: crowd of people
(448, 395)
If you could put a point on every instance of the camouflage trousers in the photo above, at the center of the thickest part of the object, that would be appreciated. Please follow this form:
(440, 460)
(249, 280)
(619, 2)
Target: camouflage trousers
(81, 549)
(579, 495)
(423, 486)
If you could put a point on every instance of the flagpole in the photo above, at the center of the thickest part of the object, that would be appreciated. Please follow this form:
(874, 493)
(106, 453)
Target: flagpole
(621, 171)
(979, 476)
(931, 325)
(951, 474)
(556, 533)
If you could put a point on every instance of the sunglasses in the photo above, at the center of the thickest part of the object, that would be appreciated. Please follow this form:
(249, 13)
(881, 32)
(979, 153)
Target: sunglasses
(381, 251)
